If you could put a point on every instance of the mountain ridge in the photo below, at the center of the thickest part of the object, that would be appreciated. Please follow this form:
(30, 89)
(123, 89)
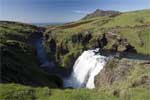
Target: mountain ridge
(101, 13)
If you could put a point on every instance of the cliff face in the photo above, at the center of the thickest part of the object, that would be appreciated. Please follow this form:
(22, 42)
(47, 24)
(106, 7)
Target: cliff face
(126, 32)
(125, 73)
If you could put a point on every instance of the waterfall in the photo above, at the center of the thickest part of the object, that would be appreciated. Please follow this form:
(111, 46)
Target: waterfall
(86, 67)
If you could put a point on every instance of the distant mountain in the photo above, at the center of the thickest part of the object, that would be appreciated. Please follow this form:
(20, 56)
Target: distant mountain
(99, 12)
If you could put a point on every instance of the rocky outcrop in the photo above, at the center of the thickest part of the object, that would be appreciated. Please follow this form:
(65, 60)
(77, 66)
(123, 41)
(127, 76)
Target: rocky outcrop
(77, 38)
(102, 41)
(87, 37)
(124, 73)
(114, 42)
(83, 37)
(52, 44)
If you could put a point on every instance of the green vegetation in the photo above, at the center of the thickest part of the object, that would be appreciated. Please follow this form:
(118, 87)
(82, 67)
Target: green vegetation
(130, 19)
(129, 84)
(15, 30)
(132, 30)
(18, 58)
(19, 92)
(137, 76)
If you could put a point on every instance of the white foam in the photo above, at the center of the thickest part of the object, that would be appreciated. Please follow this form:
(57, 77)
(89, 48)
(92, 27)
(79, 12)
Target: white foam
(86, 67)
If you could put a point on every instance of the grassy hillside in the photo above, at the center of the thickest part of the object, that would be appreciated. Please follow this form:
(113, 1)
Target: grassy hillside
(16, 31)
(18, 58)
(130, 27)
(19, 92)
(130, 19)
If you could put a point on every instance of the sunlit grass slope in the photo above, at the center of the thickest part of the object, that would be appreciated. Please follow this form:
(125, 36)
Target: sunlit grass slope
(134, 26)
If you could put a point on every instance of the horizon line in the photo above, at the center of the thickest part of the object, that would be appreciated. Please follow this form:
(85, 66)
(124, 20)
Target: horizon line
(72, 20)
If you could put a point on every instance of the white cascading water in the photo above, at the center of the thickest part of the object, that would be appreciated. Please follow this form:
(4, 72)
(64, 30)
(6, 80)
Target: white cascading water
(86, 67)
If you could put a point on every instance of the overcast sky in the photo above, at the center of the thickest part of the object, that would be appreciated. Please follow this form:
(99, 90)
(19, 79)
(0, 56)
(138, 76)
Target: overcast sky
(62, 10)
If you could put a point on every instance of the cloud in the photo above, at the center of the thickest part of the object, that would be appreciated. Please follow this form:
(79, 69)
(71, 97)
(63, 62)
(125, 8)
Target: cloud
(81, 11)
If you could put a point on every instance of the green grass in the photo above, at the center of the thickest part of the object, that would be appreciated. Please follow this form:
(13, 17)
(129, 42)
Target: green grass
(129, 25)
(15, 30)
(20, 92)
(135, 94)
(80, 94)
(130, 19)
(137, 37)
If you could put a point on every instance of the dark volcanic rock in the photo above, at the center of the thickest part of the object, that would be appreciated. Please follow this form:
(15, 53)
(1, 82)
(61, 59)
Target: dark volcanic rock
(52, 45)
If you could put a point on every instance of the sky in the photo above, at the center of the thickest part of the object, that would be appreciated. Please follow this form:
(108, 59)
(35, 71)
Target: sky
(46, 11)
